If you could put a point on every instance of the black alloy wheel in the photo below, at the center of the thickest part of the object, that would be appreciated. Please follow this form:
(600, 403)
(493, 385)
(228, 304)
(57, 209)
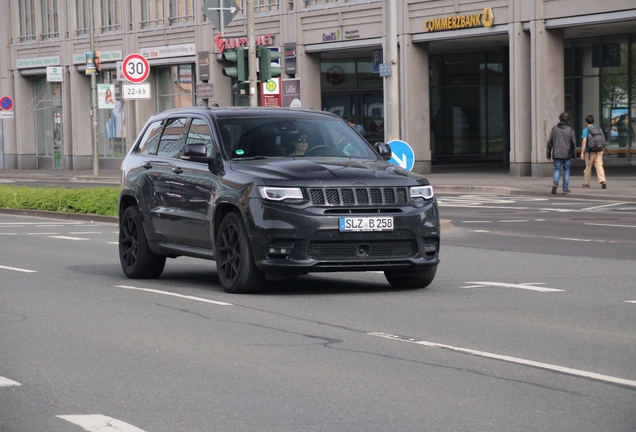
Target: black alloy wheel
(137, 260)
(235, 265)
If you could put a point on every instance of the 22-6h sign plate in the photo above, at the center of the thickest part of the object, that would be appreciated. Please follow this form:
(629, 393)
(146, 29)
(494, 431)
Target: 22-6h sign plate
(135, 68)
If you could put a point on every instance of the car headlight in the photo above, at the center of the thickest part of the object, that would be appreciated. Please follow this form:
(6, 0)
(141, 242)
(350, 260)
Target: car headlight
(280, 193)
(425, 192)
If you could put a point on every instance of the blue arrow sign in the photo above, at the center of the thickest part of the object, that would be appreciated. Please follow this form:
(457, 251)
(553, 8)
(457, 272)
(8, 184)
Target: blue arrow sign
(402, 154)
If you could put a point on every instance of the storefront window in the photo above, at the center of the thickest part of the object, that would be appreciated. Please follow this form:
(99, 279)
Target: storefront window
(350, 88)
(47, 110)
(111, 123)
(174, 86)
(599, 81)
(466, 101)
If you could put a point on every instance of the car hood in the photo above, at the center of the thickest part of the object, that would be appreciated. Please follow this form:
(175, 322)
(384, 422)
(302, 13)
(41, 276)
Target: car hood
(325, 171)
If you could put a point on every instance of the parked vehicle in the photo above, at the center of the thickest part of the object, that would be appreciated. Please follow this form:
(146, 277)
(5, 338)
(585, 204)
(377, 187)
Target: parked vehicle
(272, 193)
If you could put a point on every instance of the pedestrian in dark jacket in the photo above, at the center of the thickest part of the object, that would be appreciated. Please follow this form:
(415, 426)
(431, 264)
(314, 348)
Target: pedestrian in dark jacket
(561, 148)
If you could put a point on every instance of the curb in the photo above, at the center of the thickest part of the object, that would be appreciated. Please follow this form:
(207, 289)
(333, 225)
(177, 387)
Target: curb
(60, 215)
(524, 192)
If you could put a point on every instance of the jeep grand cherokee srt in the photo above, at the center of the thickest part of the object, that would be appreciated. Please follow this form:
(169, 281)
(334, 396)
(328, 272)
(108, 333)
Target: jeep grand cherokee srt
(271, 193)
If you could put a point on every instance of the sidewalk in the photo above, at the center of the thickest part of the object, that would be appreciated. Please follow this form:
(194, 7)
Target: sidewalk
(464, 179)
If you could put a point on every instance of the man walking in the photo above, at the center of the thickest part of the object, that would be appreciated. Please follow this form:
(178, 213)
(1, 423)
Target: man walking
(592, 147)
(561, 148)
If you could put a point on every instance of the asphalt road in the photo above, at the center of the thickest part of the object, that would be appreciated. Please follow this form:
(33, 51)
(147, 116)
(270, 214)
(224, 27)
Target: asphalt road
(517, 332)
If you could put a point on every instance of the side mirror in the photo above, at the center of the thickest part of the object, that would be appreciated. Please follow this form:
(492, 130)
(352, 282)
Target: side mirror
(196, 152)
(384, 150)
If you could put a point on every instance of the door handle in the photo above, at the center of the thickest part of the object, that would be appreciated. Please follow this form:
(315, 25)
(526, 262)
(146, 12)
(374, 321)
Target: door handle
(177, 170)
(147, 165)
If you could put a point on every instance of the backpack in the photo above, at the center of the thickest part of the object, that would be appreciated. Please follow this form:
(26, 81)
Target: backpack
(595, 139)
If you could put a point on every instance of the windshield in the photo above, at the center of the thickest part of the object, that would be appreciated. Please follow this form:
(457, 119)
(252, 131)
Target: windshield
(307, 136)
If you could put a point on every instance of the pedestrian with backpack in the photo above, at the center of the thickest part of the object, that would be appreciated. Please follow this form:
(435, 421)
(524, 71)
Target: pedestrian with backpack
(592, 152)
(561, 148)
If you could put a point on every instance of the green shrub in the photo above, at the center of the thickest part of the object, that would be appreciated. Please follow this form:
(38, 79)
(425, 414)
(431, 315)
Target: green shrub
(97, 200)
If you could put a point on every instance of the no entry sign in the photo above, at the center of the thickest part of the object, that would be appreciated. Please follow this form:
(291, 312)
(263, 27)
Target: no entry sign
(135, 68)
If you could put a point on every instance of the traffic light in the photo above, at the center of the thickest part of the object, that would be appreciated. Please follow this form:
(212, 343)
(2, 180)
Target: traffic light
(240, 71)
(265, 57)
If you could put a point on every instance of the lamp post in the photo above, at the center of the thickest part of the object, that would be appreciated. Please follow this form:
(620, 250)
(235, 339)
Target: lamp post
(392, 87)
(93, 94)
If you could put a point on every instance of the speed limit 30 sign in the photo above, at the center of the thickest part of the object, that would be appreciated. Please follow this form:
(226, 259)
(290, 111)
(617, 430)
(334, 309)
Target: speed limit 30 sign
(135, 68)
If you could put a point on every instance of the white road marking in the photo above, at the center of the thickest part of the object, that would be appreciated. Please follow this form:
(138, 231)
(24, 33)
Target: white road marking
(100, 423)
(573, 239)
(526, 286)
(85, 232)
(603, 206)
(43, 233)
(115, 243)
(547, 366)
(17, 269)
(630, 301)
(609, 225)
(513, 220)
(173, 294)
(68, 238)
(481, 231)
(51, 225)
(8, 234)
(6, 382)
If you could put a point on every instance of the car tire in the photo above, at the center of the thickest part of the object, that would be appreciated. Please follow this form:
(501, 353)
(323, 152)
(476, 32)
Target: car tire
(409, 280)
(234, 262)
(137, 260)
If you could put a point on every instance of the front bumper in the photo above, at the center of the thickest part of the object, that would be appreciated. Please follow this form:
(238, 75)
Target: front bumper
(290, 240)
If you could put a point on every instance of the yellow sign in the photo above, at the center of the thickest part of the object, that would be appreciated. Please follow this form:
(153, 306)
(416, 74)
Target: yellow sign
(484, 19)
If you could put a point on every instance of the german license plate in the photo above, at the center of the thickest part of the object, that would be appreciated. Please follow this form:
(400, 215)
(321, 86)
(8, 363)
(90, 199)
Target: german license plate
(384, 223)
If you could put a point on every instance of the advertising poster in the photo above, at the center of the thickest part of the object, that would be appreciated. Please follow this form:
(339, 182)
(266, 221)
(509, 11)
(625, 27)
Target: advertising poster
(291, 93)
(105, 96)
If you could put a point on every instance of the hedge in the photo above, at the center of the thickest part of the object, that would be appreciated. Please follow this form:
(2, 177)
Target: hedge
(98, 200)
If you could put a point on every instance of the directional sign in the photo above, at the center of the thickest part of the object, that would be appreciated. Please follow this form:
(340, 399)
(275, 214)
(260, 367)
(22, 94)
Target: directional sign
(135, 68)
(220, 12)
(402, 154)
(6, 103)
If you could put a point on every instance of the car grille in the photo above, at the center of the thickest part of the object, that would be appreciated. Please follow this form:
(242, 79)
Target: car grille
(358, 249)
(359, 196)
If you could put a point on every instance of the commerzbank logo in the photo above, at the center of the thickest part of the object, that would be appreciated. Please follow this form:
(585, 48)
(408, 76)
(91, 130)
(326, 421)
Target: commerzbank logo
(484, 19)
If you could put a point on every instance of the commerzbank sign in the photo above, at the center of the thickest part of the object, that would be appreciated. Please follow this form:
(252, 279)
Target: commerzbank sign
(459, 22)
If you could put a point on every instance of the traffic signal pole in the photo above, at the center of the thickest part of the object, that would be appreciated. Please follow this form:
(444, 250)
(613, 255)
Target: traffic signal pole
(251, 54)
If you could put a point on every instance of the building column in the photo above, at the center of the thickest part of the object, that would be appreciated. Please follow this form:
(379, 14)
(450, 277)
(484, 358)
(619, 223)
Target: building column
(548, 91)
(415, 121)
(520, 101)
(308, 67)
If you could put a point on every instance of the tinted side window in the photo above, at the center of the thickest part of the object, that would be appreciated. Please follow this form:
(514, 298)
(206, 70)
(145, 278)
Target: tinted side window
(172, 138)
(200, 133)
(148, 144)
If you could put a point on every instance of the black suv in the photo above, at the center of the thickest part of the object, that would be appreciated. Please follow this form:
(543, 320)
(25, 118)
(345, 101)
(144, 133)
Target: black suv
(271, 193)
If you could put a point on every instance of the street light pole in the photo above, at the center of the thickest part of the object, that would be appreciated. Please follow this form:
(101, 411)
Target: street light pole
(392, 87)
(93, 94)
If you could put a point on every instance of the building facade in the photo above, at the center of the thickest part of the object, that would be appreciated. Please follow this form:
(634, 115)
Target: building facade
(478, 80)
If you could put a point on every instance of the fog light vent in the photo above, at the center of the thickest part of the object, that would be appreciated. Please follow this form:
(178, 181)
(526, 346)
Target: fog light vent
(280, 249)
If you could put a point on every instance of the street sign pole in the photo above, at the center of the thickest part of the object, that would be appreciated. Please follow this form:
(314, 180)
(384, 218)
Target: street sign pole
(93, 96)
(392, 87)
